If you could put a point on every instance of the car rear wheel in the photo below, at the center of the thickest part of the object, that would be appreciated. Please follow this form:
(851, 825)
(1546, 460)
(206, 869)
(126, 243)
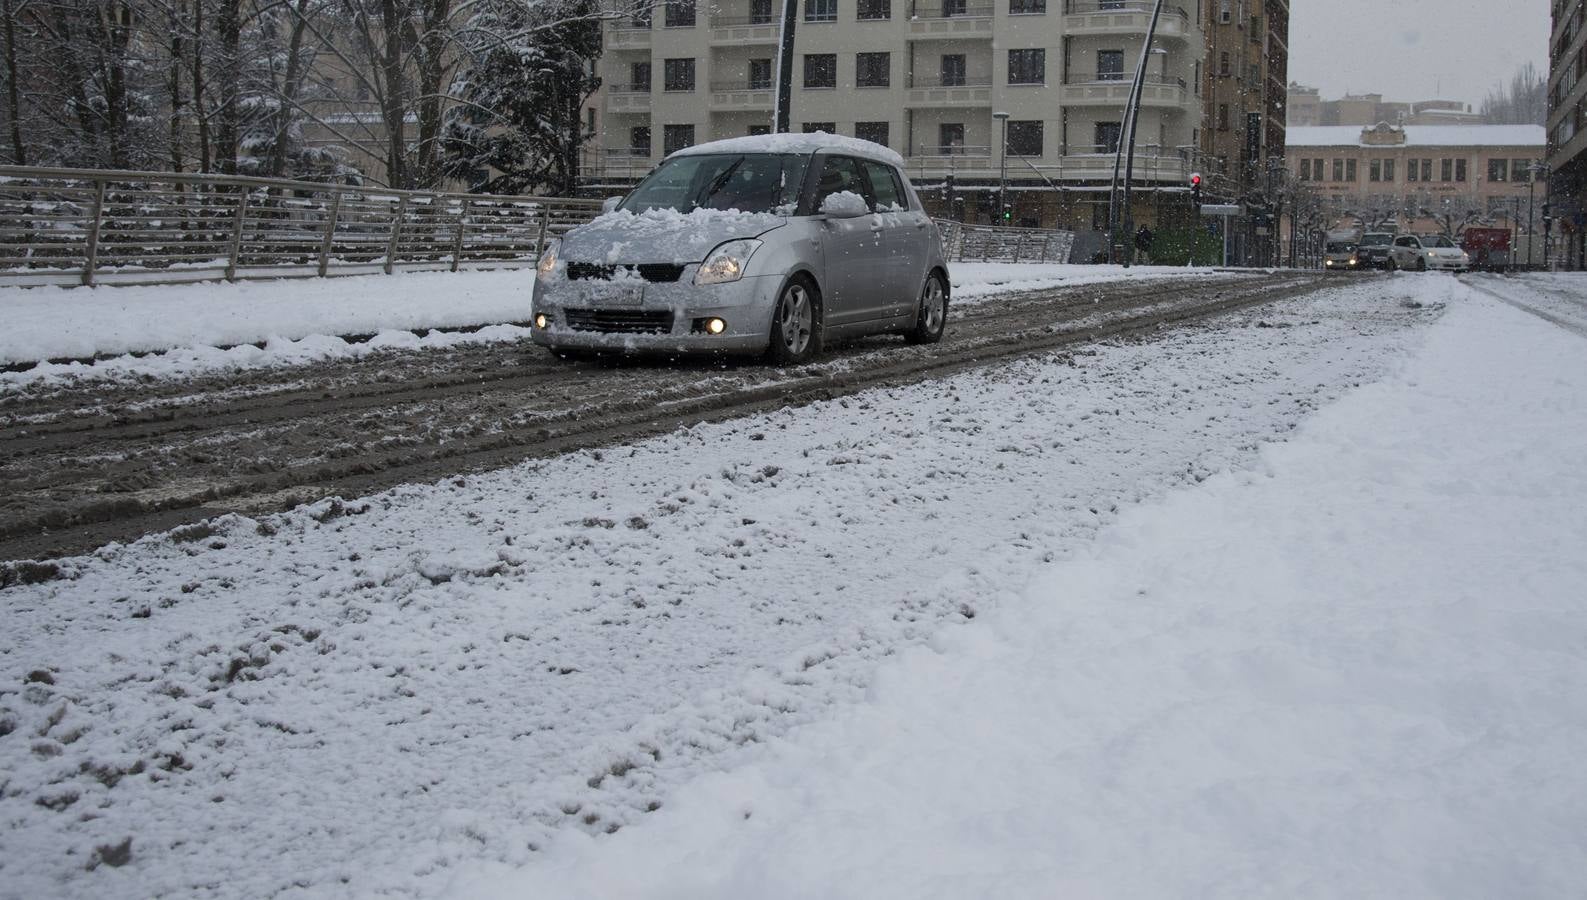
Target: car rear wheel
(796, 325)
(1393, 266)
(932, 317)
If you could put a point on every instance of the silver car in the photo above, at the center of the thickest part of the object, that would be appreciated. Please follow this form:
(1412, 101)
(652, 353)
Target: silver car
(772, 243)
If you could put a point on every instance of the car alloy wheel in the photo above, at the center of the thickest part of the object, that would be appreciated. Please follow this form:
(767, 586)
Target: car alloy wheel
(932, 316)
(795, 335)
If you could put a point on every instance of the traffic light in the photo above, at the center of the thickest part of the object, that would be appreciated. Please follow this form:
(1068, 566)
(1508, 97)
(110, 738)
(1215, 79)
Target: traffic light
(1195, 191)
(1008, 213)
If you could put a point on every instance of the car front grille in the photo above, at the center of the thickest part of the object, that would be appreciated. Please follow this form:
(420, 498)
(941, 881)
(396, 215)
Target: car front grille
(656, 272)
(620, 321)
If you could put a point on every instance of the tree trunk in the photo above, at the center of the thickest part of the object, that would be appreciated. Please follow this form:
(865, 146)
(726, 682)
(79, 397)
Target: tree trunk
(394, 106)
(291, 83)
(228, 32)
(19, 153)
(200, 112)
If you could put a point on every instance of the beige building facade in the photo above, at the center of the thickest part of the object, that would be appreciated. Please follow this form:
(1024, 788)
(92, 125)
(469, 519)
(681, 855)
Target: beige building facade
(1307, 108)
(1421, 178)
(927, 78)
(1567, 132)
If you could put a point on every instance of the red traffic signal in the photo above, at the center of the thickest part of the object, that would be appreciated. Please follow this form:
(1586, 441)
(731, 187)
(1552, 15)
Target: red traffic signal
(1195, 180)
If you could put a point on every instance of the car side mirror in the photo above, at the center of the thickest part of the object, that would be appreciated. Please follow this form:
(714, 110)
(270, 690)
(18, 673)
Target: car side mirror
(610, 203)
(845, 205)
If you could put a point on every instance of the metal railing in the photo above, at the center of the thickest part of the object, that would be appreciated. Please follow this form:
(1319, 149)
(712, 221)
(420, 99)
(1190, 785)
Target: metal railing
(948, 9)
(643, 88)
(76, 226)
(752, 84)
(950, 81)
(1075, 78)
(989, 243)
(735, 21)
(1079, 7)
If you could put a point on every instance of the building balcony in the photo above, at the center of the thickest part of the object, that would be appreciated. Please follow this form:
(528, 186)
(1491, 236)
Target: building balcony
(628, 35)
(627, 98)
(949, 20)
(1077, 165)
(1113, 89)
(743, 29)
(747, 96)
(1124, 17)
(957, 160)
(970, 91)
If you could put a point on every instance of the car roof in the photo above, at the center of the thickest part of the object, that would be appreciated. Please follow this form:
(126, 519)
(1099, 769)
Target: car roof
(797, 143)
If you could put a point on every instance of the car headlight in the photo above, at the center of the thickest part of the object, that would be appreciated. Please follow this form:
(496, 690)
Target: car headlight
(727, 262)
(548, 259)
(1431, 254)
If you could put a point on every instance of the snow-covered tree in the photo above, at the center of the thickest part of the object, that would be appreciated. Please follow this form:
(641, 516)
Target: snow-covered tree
(517, 127)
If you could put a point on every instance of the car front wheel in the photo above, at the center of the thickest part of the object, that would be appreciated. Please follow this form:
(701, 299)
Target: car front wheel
(932, 316)
(796, 325)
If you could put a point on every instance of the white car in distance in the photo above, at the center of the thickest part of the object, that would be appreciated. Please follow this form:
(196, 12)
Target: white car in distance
(1420, 253)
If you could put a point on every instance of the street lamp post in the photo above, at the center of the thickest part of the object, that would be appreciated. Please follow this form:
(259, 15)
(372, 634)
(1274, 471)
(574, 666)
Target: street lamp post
(1531, 213)
(1132, 113)
(1002, 170)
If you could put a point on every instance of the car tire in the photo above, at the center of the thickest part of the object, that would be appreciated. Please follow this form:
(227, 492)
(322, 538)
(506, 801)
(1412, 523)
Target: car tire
(795, 323)
(1421, 265)
(1392, 266)
(931, 319)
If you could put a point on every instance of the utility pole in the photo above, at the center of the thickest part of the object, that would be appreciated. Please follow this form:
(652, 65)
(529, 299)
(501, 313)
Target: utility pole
(1132, 113)
(1002, 172)
(785, 61)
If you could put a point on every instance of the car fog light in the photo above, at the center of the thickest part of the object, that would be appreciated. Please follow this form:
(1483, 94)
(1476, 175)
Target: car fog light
(541, 321)
(715, 326)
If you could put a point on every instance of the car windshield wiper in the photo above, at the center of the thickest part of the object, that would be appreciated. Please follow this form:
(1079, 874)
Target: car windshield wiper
(717, 182)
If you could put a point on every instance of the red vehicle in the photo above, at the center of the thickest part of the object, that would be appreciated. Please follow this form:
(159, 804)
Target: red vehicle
(1489, 248)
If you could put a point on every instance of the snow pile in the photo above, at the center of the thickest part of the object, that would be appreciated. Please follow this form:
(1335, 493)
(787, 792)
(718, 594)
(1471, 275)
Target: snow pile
(976, 281)
(809, 142)
(53, 323)
(383, 690)
(1358, 672)
(661, 235)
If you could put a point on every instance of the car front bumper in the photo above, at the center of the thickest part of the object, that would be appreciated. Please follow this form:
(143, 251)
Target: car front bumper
(1448, 265)
(633, 316)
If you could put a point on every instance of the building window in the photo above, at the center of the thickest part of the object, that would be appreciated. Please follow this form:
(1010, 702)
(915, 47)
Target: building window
(1305, 170)
(868, 10)
(678, 74)
(1375, 170)
(950, 138)
(639, 140)
(871, 70)
(951, 8)
(1339, 170)
(1110, 65)
(680, 13)
(639, 73)
(759, 74)
(821, 10)
(1225, 11)
(813, 127)
(1027, 66)
(1350, 170)
(1518, 170)
(821, 70)
(1255, 75)
(1446, 170)
(676, 137)
(1027, 7)
(1024, 138)
(1410, 170)
(875, 132)
(759, 129)
(1223, 64)
(1460, 170)
(1107, 137)
(589, 120)
(1317, 170)
(760, 12)
(953, 70)
(1388, 170)
(1427, 170)
(1223, 117)
(1498, 170)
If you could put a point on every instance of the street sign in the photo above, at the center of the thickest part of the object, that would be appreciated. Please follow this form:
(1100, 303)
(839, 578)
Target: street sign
(1220, 209)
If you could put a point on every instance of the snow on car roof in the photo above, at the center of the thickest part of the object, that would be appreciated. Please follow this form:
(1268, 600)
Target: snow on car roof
(1420, 136)
(796, 143)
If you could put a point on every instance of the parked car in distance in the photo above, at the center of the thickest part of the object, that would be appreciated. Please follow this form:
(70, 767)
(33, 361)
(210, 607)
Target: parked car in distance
(1340, 256)
(1373, 248)
(1422, 252)
(1489, 248)
(771, 243)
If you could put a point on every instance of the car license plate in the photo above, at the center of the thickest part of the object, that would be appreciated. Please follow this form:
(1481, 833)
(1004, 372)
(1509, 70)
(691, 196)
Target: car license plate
(619, 295)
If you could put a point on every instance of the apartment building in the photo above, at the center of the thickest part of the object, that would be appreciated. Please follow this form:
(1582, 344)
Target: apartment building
(1567, 130)
(1307, 108)
(1422, 178)
(930, 78)
(1246, 90)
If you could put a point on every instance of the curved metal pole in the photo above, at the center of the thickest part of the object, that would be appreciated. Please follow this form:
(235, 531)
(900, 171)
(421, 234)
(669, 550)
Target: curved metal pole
(1131, 111)
(1129, 163)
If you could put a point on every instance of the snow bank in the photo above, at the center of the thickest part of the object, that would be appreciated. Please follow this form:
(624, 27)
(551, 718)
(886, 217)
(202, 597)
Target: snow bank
(1358, 672)
(53, 323)
(976, 281)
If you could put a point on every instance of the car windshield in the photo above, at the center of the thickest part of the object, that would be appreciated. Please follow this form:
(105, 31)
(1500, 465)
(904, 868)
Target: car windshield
(1437, 242)
(1376, 240)
(1339, 247)
(748, 182)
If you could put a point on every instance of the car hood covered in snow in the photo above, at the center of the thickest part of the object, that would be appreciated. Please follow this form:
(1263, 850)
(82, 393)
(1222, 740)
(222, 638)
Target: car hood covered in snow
(661, 235)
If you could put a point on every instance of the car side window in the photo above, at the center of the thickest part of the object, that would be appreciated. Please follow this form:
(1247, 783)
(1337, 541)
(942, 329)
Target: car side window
(838, 174)
(889, 194)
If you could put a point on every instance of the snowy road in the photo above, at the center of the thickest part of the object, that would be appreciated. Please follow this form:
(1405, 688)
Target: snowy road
(87, 462)
(369, 697)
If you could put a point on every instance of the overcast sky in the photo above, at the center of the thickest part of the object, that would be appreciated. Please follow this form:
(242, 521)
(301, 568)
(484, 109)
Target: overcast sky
(1415, 49)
